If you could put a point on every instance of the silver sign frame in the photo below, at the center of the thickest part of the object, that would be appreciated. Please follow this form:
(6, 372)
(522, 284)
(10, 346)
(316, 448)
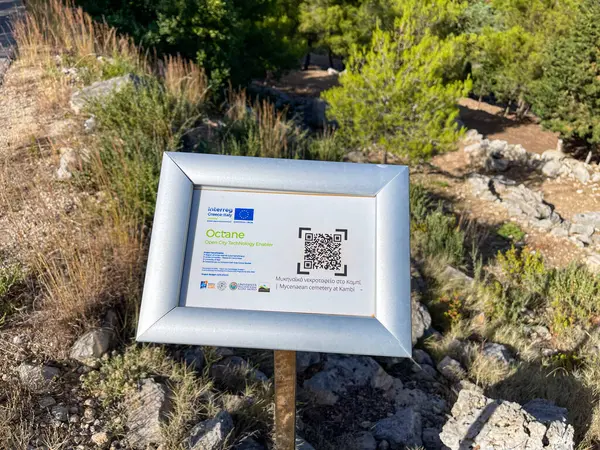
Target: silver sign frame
(164, 319)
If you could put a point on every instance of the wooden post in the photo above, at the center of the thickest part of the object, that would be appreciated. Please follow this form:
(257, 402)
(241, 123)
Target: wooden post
(285, 400)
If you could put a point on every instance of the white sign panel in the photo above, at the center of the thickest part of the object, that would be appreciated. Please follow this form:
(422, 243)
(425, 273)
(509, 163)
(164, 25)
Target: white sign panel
(281, 252)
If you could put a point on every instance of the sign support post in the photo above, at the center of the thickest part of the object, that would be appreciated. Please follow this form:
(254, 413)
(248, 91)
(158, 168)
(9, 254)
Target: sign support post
(285, 400)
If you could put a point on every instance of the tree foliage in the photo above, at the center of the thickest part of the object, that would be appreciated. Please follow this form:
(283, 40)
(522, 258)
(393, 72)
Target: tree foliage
(567, 96)
(232, 39)
(393, 94)
(510, 38)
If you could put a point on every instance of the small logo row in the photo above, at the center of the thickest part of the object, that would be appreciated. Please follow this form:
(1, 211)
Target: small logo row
(233, 286)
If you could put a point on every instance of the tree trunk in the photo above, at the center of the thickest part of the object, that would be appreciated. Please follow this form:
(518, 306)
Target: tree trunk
(522, 109)
(330, 58)
(309, 42)
(384, 157)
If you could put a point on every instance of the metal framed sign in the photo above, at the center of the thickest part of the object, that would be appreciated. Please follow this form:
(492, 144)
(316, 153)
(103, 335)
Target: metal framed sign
(279, 254)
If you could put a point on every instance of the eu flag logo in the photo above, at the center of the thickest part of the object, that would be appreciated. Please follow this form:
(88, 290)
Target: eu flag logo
(245, 214)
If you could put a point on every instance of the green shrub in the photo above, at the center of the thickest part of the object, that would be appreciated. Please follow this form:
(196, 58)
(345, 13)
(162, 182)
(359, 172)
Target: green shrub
(440, 238)
(11, 276)
(326, 147)
(573, 297)
(394, 95)
(511, 231)
(135, 126)
(520, 284)
(420, 203)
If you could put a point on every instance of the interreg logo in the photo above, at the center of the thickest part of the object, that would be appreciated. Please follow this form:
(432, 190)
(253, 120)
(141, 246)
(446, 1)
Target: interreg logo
(220, 214)
(243, 215)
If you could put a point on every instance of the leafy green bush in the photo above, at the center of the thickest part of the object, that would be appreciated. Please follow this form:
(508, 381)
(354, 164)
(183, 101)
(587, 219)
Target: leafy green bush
(511, 231)
(573, 297)
(236, 39)
(135, 126)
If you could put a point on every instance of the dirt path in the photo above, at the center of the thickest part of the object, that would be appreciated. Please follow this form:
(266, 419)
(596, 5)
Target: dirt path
(488, 120)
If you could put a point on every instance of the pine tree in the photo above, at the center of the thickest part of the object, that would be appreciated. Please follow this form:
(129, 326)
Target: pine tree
(567, 97)
(393, 94)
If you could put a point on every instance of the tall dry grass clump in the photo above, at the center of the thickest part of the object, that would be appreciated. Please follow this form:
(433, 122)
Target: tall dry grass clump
(55, 27)
(85, 276)
(184, 80)
(258, 129)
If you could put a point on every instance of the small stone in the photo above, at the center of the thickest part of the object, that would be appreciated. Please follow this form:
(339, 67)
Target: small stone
(403, 428)
(69, 161)
(596, 177)
(422, 357)
(454, 275)
(74, 418)
(577, 242)
(578, 228)
(60, 413)
(332, 71)
(451, 369)
(383, 445)
(37, 377)
(306, 359)
(89, 125)
(472, 136)
(89, 415)
(194, 357)
(559, 232)
(46, 402)
(99, 90)
(553, 155)
(581, 238)
(211, 434)
(356, 157)
(581, 173)
(100, 439)
(552, 168)
(92, 344)
(147, 409)
(499, 352)
(301, 444)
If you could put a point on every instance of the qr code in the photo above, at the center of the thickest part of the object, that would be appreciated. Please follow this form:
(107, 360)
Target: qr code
(323, 251)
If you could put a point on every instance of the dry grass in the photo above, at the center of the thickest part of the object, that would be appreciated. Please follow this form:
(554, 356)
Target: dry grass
(184, 80)
(99, 269)
(17, 426)
(258, 129)
(55, 27)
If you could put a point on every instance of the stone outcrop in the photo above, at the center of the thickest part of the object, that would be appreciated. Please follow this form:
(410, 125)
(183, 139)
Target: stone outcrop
(98, 90)
(480, 422)
(211, 434)
(343, 372)
(147, 409)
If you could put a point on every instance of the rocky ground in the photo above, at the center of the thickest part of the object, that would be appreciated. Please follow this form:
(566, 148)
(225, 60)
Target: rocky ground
(89, 388)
